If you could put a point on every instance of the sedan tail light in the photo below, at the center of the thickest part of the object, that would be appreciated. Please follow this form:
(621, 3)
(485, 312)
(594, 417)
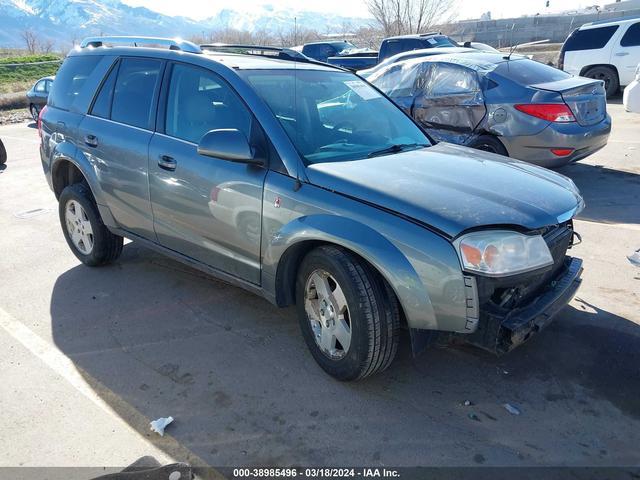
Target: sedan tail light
(44, 109)
(552, 112)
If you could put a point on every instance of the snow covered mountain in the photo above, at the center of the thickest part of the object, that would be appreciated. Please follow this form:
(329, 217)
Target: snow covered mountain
(62, 21)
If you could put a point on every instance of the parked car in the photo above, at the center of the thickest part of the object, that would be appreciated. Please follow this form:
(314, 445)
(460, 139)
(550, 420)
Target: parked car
(392, 46)
(3, 154)
(631, 96)
(508, 105)
(364, 224)
(607, 50)
(321, 51)
(400, 57)
(38, 94)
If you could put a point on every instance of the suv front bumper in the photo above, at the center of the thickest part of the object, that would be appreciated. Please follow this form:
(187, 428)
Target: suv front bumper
(501, 332)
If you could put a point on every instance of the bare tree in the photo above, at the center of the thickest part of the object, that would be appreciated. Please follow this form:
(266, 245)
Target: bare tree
(30, 40)
(402, 17)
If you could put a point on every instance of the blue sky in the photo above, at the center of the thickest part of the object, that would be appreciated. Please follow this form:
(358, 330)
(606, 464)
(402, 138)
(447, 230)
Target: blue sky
(199, 9)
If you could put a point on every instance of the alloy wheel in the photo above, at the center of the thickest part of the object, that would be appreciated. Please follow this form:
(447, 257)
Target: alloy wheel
(328, 313)
(79, 227)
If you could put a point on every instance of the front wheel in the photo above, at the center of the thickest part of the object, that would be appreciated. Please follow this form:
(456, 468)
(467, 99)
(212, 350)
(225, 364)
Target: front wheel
(348, 315)
(83, 229)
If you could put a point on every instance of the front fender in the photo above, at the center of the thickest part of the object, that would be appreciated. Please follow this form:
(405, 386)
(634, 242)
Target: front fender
(365, 242)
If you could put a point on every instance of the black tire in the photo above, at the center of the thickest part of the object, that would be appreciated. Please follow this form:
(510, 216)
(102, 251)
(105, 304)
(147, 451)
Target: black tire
(489, 143)
(608, 75)
(107, 247)
(35, 112)
(374, 314)
(3, 154)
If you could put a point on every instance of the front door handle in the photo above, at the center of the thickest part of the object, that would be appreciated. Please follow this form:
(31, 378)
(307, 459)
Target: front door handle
(167, 163)
(91, 140)
(622, 54)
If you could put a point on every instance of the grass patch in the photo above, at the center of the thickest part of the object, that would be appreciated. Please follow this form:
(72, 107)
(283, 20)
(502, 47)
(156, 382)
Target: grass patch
(19, 78)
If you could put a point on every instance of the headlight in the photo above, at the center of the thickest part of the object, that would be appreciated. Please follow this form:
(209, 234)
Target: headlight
(498, 253)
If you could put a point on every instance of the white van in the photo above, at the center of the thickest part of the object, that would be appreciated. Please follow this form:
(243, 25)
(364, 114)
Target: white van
(608, 50)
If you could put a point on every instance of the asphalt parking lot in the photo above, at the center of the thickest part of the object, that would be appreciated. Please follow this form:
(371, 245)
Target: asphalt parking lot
(90, 356)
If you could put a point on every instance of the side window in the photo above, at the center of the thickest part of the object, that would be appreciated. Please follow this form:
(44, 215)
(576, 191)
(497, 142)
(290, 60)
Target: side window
(40, 86)
(102, 105)
(134, 90)
(631, 37)
(590, 38)
(199, 101)
(71, 78)
(452, 80)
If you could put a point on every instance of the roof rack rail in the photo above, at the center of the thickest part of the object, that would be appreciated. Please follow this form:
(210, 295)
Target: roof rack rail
(172, 43)
(281, 53)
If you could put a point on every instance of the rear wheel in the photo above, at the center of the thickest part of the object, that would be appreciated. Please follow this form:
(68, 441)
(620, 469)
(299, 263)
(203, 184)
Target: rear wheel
(608, 75)
(348, 315)
(489, 143)
(35, 112)
(83, 229)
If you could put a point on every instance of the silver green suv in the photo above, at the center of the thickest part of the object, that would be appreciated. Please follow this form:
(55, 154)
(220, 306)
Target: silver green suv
(304, 184)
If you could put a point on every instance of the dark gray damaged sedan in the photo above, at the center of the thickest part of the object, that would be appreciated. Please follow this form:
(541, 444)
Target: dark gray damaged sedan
(256, 171)
(515, 107)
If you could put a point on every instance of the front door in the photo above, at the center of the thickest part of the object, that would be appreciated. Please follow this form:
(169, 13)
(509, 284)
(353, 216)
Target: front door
(205, 208)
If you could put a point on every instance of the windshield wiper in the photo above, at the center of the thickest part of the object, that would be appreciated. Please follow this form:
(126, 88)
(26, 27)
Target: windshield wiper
(396, 148)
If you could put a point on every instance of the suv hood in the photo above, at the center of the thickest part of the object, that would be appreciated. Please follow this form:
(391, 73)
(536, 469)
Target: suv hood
(453, 188)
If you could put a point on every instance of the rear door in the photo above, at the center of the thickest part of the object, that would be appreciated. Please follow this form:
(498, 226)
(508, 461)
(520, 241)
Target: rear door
(449, 102)
(205, 208)
(116, 135)
(626, 53)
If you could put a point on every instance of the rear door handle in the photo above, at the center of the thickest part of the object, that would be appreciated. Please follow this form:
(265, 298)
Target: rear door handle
(167, 163)
(622, 54)
(91, 140)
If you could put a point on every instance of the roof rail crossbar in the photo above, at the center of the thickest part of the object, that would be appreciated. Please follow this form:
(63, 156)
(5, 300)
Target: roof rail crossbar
(172, 43)
(267, 51)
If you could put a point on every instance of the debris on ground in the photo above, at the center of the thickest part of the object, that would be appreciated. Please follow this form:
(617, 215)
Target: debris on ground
(474, 417)
(511, 409)
(468, 403)
(160, 424)
(635, 258)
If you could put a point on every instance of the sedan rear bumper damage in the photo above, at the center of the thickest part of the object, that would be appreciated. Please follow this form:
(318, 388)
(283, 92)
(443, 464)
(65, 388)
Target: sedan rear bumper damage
(501, 332)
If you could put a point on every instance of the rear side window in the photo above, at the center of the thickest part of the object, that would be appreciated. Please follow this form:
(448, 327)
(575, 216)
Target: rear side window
(452, 80)
(199, 101)
(590, 39)
(529, 72)
(40, 86)
(134, 90)
(631, 38)
(102, 105)
(70, 79)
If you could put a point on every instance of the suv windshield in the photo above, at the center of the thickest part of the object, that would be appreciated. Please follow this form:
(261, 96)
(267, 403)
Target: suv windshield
(334, 116)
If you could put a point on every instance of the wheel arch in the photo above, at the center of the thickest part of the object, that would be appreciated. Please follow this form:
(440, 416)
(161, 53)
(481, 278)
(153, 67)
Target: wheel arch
(584, 69)
(283, 257)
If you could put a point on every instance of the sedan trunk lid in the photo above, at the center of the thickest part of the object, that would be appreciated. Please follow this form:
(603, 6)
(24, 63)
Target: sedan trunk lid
(585, 97)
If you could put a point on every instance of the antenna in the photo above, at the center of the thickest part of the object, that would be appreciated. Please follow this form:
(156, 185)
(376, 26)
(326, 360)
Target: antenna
(515, 47)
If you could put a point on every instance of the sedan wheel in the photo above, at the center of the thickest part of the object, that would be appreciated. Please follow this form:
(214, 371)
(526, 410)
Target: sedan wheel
(79, 227)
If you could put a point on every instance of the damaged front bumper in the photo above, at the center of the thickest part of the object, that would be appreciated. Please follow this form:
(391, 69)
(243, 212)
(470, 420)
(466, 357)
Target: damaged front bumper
(501, 331)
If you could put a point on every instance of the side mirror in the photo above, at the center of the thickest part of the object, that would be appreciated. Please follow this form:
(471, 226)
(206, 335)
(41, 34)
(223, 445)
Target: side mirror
(228, 144)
